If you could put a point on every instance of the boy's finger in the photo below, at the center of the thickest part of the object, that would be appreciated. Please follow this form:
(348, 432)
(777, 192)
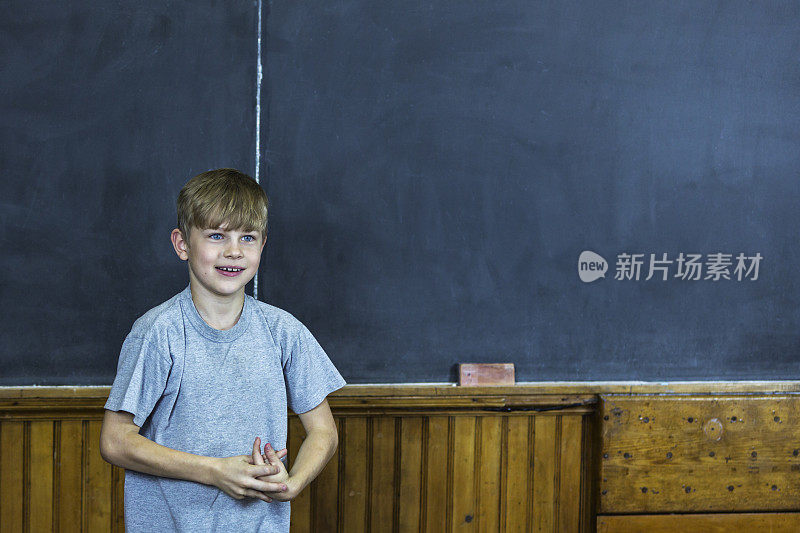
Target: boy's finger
(265, 470)
(282, 453)
(271, 456)
(257, 457)
(268, 486)
(255, 494)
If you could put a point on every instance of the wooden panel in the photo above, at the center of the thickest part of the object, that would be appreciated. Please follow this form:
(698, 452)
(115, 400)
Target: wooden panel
(301, 505)
(41, 480)
(707, 523)
(118, 499)
(590, 452)
(354, 483)
(545, 470)
(437, 494)
(668, 454)
(70, 478)
(464, 474)
(11, 470)
(409, 505)
(489, 464)
(569, 485)
(382, 470)
(97, 488)
(519, 463)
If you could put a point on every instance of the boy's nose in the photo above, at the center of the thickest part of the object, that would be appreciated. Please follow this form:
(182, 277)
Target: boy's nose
(233, 250)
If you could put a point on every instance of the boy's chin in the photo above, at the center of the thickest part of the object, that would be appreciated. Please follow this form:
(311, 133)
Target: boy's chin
(224, 287)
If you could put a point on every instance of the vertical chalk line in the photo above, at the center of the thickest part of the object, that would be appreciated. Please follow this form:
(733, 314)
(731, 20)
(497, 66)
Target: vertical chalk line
(258, 123)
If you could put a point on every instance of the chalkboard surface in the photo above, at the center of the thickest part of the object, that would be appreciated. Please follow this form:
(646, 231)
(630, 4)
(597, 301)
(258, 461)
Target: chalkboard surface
(106, 109)
(436, 170)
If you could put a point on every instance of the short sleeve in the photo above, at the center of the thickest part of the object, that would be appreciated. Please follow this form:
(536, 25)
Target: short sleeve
(142, 373)
(309, 373)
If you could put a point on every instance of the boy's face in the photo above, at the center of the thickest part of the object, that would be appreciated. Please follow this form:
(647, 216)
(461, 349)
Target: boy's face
(221, 261)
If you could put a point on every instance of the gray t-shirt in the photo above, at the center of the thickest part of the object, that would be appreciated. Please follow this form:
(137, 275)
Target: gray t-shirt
(197, 389)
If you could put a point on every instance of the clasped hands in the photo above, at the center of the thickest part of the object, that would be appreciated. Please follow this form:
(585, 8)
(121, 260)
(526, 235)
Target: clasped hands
(284, 492)
(259, 475)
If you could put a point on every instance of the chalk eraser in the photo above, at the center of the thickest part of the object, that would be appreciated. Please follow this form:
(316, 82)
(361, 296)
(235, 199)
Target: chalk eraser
(485, 374)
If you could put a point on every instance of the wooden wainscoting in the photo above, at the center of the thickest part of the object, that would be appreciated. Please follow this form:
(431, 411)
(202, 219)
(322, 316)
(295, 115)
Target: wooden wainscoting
(648, 458)
(52, 477)
(452, 459)
(429, 458)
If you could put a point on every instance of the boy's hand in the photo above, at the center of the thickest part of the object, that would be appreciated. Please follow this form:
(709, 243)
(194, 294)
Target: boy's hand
(257, 451)
(273, 458)
(239, 478)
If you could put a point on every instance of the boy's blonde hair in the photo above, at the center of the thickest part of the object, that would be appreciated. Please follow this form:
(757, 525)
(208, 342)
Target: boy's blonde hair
(222, 198)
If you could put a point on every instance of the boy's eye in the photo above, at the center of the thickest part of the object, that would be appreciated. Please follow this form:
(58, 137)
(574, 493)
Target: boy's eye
(248, 238)
(215, 236)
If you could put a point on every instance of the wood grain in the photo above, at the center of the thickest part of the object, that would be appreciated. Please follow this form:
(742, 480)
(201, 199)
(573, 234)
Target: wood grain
(97, 479)
(436, 473)
(11, 471)
(700, 523)
(27, 403)
(569, 481)
(382, 469)
(489, 465)
(545, 471)
(519, 476)
(409, 504)
(716, 453)
(70, 480)
(117, 499)
(590, 483)
(464, 474)
(354, 481)
(41, 476)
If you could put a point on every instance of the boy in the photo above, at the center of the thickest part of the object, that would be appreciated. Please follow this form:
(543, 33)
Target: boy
(202, 376)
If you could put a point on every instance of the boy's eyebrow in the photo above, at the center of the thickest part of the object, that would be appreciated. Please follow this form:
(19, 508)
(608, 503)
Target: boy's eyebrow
(225, 228)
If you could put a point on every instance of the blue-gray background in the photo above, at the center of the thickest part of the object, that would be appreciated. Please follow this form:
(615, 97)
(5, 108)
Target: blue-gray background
(435, 170)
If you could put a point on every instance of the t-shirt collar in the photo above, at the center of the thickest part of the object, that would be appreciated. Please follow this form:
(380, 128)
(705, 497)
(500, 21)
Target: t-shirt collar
(207, 331)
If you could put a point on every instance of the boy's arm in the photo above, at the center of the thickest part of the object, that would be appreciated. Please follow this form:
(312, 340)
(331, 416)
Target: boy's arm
(122, 445)
(317, 448)
(315, 452)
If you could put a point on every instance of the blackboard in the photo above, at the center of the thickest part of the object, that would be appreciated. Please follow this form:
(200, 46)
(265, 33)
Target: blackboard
(106, 109)
(436, 170)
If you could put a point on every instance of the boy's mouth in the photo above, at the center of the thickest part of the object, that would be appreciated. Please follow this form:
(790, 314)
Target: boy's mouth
(229, 271)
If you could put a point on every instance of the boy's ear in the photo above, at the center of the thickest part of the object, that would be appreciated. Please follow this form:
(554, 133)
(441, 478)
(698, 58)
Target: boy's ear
(180, 244)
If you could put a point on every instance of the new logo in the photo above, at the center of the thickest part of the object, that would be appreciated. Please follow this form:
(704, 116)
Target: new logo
(591, 266)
